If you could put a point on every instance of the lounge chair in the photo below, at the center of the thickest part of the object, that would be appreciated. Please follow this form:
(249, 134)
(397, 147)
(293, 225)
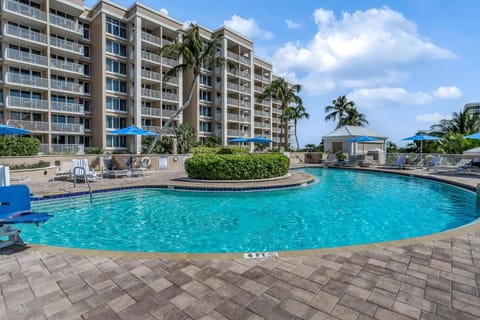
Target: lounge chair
(400, 162)
(81, 170)
(15, 208)
(435, 163)
(65, 172)
(110, 171)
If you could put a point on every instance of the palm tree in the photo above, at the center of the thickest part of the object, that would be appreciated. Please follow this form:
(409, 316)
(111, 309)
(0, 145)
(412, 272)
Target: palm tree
(196, 53)
(353, 118)
(462, 122)
(338, 110)
(296, 113)
(281, 90)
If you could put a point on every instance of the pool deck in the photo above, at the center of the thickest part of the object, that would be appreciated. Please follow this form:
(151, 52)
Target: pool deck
(431, 278)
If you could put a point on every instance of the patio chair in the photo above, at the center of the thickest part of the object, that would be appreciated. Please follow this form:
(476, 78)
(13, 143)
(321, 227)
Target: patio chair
(111, 171)
(435, 163)
(64, 172)
(15, 208)
(81, 170)
(400, 161)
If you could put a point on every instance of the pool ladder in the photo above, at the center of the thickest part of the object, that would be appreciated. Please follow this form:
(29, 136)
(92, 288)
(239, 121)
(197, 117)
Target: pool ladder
(86, 180)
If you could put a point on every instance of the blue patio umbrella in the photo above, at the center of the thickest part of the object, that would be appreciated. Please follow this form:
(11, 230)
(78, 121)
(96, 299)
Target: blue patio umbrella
(238, 139)
(259, 139)
(133, 131)
(363, 139)
(473, 136)
(421, 138)
(5, 130)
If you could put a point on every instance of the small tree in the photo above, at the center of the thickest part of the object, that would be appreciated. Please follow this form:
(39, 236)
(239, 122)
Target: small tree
(186, 138)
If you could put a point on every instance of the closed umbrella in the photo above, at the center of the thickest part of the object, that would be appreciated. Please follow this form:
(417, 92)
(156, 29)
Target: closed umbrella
(421, 138)
(7, 130)
(363, 139)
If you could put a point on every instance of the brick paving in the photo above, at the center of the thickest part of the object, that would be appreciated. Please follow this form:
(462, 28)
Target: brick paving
(431, 280)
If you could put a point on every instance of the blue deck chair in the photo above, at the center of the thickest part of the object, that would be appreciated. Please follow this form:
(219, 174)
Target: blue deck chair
(15, 208)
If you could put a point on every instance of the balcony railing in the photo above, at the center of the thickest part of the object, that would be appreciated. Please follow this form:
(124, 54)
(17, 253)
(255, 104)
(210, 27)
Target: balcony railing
(26, 103)
(66, 45)
(237, 133)
(236, 102)
(263, 102)
(67, 86)
(25, 34)
(169, 62)
(25, 10)
(17, 78)
(63, 148)
(237, 87)
(151, 93)
(66, 24)
(146, 111)
(172, 81)
(236, 117)
(159, 129)
(262, 114)
(13, 54)
(258, 89)
(66, 65)
(151, 57)
(35, 126)
(169, 113)
(166, 42)
(238, 57)
(262, 125)
(170, 96)
(151, 75)
(67, 127)
(67, 107)
(151, 38)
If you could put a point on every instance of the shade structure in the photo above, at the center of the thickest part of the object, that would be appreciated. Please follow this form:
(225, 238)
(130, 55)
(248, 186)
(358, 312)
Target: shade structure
(238, 139)
(5, 130)
(133, 131)
(421, 138)
(363, 139)
(473, 136)
(259, 139)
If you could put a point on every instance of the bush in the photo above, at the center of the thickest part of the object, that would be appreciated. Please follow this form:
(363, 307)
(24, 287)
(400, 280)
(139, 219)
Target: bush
(39, 164)
(223, 150)
(19, 146)
(236, 166)
(93, 151)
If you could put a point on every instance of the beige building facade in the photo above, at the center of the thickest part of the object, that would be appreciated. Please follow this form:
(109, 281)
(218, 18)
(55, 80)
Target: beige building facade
(72, 74)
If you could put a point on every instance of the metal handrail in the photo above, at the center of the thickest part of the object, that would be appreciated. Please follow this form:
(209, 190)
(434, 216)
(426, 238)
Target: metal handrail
(86, 180)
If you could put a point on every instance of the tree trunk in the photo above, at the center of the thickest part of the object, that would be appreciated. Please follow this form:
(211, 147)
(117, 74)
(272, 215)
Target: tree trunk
(296, 136)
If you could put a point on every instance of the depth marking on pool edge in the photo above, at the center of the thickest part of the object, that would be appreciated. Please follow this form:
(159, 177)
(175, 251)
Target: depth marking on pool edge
(260, 255)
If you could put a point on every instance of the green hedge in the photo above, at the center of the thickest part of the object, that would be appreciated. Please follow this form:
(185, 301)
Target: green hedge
(19, 146)
(219, 150)
(236, 166)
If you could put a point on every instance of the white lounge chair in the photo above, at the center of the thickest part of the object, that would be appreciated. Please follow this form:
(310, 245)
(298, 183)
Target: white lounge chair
(64, 172)
(81, 170)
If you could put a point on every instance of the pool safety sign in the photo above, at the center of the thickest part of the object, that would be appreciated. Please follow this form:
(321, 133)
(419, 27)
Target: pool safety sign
(260, 255)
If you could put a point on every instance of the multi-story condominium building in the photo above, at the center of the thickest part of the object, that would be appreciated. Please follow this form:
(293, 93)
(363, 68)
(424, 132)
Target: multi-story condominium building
(473, 107)
(72, 74)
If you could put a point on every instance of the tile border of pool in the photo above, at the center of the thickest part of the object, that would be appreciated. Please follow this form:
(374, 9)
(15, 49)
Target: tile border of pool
(471, 227)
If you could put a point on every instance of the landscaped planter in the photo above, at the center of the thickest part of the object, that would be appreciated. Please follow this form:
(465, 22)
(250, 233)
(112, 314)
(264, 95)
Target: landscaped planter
(31, 174)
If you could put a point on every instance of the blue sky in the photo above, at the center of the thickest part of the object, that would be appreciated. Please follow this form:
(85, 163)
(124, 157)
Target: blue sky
(406, 64)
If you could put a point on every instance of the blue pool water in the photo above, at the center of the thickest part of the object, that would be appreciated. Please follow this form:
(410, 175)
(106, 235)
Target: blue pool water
(345, 207)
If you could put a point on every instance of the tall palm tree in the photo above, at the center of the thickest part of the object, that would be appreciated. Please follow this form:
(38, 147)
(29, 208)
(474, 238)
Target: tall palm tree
(196, 53)
(296, 113)
(281, 90)
(462, 122)
(353, 118)
(338, 110)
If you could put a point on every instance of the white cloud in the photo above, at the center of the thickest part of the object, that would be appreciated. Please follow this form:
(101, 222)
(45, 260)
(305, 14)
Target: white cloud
(433, 117)
(363, 48)
(247, 27)
(447, 92)
(292, 25)
(164, 11)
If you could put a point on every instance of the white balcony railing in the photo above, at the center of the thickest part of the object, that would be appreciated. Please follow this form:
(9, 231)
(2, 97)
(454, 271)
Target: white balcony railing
(170, 96)
(66, 65)
(151, 93)
(17, 78)
(169, 113)
(66, 45)
(35, 126)
(27, 57)
(172, 81)
(66, 24)
(24, 10)
(236, 117)
(166, 42)
(63, 148)
(67, 86)
(151, 57)
(151, 38)
(67, 127)
(237, 133)
(146, 111)
(237, 87)
(26, 103)
(67, 107)
(169, 62)
(151, 75)
(25, 34)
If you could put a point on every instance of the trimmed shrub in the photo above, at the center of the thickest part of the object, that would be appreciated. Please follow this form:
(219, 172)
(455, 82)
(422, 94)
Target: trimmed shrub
(19, 146)
(39, 164)
(93, 150)
(236, 166)
(219, 150)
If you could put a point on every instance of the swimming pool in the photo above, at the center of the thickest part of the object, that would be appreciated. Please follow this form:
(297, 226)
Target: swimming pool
(345, 207)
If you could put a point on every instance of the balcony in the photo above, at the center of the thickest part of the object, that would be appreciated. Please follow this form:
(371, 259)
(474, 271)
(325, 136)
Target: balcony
(262, 114)
(66, 24)
(169, 113)
(24, 10)
(172, 81)
(238, 118)
(26, 103)
(237, 57)
(169, 62)
(237, 87)
(151, 38)
(237, 133)
(170, 96)
(239, 103)
(153, 112)
(25, 34)
(34, 126)
(66, 66)
(265, 103)
(258, 89)
(67, 107)
(151, 75)
(262, 125)
(25, 80)
(63, 148)
(67, 45)
(26, 57)
(166, 42)
(67, 86)
(151, 57)
(151, 93)
(67, 127)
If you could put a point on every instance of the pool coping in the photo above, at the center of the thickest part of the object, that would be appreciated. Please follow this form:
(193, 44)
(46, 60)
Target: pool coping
(471, 227)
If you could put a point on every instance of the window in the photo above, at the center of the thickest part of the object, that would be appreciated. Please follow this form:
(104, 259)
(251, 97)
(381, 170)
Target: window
(116, 104)
(116, 85)
(62, 119)
(205, 111)
(205, 95)
(116, 141)
(206, 80)
(205, 126)
(86, 51)
(86, 69)
(116, 67)
(116, 122)
(86, 30)
(116, 48)
(116, 28)
(86, 105)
